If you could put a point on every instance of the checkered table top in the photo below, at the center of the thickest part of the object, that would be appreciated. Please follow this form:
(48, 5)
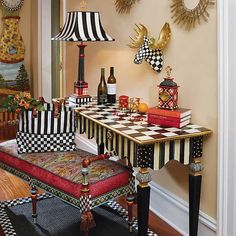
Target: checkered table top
(134, 126)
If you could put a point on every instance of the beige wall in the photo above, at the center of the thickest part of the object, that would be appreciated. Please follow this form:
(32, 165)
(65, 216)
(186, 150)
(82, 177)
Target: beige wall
(193, 58)
(25, 29)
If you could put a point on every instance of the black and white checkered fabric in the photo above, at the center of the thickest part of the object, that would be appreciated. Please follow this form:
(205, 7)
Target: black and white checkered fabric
(5, 222)
(85, 203)
(46, 132)
(153, 56)
(28, 143)
(9, 230)
(124, 214)
(132, 185)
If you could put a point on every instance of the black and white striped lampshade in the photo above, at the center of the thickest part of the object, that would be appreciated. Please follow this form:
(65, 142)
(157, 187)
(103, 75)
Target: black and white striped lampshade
(83, 26)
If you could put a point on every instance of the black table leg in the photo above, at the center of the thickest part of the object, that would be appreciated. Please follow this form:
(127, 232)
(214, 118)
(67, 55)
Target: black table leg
(143, 209)
(145, 155)
(194, 203)
(101, 148)
(195, 180)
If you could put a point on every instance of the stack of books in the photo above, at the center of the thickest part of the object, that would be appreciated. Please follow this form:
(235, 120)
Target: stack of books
(169, 118)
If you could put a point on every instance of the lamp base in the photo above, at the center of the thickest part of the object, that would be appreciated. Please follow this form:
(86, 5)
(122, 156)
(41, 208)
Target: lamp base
(80, 88)
(80, 99)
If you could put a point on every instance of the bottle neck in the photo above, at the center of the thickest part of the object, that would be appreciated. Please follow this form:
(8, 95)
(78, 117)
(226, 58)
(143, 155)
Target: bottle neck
(102, 75)
(111, 71)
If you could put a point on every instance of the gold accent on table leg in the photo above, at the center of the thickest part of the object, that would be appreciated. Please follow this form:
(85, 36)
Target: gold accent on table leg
(197, 160)
(196, 167)
(195, 173)
(143, 170)
(143, 177)
(143, 185)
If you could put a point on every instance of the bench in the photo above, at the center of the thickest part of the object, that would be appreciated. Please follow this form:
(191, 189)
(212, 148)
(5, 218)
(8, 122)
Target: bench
(78, 177)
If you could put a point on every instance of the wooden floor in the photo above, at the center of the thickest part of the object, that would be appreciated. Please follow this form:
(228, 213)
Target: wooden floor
(12, 187)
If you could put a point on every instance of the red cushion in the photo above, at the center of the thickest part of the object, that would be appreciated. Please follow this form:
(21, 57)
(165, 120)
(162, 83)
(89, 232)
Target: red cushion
(62, 170)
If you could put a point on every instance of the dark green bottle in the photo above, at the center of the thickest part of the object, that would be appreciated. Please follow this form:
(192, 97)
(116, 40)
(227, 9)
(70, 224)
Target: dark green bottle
(102, 89)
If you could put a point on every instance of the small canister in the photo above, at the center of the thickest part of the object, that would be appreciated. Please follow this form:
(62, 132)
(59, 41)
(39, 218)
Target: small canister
(123, 102)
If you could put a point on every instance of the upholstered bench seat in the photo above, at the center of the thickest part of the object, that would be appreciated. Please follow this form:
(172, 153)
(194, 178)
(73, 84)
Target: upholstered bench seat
(62, 170)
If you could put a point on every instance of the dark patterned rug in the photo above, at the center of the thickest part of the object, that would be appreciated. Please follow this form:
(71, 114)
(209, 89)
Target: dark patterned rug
(57, 218)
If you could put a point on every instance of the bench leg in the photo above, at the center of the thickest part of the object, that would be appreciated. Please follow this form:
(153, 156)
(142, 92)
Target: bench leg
(130, 203)
(34, 191)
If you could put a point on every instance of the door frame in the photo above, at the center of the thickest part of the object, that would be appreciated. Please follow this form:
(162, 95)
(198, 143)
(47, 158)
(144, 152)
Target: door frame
(44, 50)
(226, 203)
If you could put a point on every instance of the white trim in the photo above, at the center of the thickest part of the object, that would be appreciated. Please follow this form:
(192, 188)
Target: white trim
(226, 206)
(83, 143)
(64, 13)
(175, 212)
(44, 50)
(39, 47)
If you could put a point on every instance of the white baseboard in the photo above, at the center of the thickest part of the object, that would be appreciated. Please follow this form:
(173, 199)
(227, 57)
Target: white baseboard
(82, 142)
(174, 211)
(165, 204)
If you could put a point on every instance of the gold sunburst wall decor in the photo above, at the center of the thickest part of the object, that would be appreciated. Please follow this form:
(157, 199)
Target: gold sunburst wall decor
(188, 18)
(124, 6)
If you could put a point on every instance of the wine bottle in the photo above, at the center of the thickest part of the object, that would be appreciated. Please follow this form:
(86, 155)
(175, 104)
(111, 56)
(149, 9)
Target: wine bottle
(111, 87)
(102, 89)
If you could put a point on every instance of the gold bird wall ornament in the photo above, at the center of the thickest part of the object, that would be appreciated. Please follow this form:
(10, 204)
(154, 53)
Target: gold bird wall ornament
(150, 49)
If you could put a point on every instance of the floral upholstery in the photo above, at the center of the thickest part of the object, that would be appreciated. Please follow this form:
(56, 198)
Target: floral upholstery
(62, 170)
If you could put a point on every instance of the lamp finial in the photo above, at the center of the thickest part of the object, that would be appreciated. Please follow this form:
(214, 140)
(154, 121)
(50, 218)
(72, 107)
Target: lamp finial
(168, 71)
(83, 4)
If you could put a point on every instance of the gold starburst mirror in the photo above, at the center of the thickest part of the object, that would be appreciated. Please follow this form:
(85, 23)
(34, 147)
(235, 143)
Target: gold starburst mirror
(188, 18)
(124, 6)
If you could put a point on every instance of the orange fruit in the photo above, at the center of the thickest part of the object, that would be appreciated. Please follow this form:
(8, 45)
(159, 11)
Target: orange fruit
(142, 107)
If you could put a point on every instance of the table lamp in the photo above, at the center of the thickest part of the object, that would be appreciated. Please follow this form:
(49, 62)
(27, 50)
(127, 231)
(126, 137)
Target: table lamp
(82, 26)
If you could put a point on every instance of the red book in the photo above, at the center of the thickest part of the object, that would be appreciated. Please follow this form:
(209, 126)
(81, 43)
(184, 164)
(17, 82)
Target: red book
(168, 118)
(179, 113)
(166, 123)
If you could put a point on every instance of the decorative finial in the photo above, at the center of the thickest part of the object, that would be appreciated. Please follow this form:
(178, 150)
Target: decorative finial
(168, 71)
(83, 4)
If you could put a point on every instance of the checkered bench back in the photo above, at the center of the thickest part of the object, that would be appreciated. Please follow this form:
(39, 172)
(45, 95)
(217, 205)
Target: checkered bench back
(45, 131)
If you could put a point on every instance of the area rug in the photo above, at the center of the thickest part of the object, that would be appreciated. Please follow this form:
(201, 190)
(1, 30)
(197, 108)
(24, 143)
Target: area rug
(57, 218)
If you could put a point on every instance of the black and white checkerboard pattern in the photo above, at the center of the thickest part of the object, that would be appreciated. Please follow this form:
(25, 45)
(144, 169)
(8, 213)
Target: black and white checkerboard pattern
(28, 143)
(153, 56)
(124, 214)
(85, 203)
(8, 228)
(5, 222)
(135, 126)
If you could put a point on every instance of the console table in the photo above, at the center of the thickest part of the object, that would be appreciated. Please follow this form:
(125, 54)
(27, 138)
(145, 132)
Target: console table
(147, 146)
